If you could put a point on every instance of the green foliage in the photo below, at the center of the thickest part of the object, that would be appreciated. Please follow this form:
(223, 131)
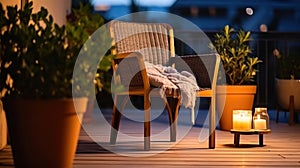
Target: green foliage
(82, 23)
(33, 54)
(287, 66)
(80, 26)
(235, 51)
(37, 56)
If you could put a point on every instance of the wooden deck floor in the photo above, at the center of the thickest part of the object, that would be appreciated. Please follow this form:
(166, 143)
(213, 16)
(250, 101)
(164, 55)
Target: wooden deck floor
(281, 149)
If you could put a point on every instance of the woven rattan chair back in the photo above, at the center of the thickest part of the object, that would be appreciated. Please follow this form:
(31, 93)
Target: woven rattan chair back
(154, 41)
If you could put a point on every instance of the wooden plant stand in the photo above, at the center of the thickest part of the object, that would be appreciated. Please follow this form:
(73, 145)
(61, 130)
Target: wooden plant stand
(260, 133)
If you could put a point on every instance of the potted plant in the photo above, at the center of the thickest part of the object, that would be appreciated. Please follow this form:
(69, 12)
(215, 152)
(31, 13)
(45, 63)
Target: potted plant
(37, 59)
(239, 68)
(287, 78)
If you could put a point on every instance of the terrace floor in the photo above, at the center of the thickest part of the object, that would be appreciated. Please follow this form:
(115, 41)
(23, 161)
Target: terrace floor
(281, 147)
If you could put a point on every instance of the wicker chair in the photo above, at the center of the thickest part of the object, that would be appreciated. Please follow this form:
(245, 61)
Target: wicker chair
(154, 42)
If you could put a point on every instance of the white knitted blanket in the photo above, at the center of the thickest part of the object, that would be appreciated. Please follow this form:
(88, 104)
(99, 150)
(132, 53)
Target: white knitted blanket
(169, 78)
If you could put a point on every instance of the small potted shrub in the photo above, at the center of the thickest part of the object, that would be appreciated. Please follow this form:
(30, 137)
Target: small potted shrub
(239, 68)
(43, 99)
(287, 76)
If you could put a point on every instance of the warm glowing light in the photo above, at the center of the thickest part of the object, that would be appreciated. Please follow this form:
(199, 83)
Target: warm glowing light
(260, 119)
(242, 119)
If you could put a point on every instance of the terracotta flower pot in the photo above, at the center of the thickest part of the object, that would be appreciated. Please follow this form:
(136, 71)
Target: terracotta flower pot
(44, 133)
(233, 97)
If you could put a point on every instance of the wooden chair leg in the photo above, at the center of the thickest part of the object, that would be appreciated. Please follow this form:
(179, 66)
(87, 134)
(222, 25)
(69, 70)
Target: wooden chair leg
(116, 117)
(212, 124)
(146, 135)
(173, 105)
(115, 123)
(211, 143)
(175, 109)
(147, 119)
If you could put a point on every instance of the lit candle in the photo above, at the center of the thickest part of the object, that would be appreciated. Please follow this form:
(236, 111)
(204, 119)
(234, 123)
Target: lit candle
(242, 120)
(260, 123)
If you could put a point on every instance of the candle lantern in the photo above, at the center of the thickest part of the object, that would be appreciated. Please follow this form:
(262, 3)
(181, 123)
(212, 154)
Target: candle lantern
(242, 119)
(261, 119)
